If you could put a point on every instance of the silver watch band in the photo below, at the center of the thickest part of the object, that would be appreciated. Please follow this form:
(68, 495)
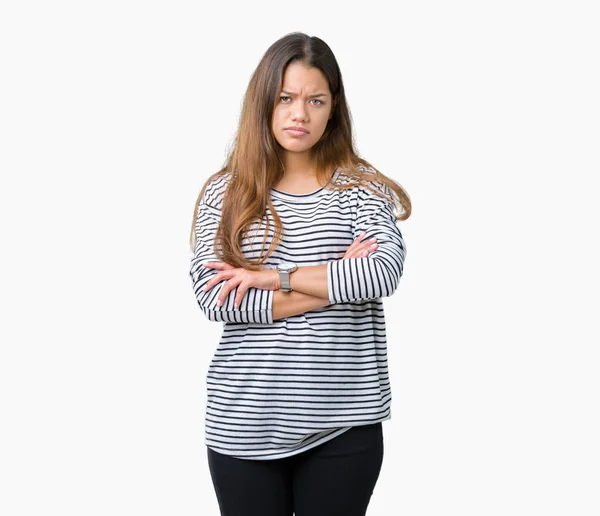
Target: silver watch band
(284, 280)
(285, 270)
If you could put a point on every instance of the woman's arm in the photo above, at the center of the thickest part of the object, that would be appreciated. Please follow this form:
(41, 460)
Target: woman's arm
(357, 278)
(286, 304)
(311, 280)
(256, 306)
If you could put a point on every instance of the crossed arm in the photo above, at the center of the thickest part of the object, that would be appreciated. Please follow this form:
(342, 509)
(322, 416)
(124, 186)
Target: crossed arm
(356, 277)
(286, 304)
(309, 289)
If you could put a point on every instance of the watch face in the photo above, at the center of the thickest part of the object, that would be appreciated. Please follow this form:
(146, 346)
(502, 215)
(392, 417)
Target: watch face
(286, 266)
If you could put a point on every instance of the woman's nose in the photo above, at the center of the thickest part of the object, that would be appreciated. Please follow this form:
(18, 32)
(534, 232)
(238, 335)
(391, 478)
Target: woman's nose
(299, 112)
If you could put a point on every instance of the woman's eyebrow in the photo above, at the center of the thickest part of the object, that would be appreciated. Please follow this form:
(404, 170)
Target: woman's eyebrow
(315, 95)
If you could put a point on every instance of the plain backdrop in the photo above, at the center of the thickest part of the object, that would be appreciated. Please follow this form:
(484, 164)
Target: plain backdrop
(112, 116)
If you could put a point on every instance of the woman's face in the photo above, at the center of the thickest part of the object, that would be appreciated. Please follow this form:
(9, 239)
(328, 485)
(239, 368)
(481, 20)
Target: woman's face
(305, 102)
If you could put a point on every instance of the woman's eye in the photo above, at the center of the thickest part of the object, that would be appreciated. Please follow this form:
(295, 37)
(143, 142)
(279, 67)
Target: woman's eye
(283, 98)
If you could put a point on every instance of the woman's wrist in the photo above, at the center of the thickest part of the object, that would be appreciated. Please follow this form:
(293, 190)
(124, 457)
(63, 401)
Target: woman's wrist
(311, 279)
(286, 304)
(274, 273)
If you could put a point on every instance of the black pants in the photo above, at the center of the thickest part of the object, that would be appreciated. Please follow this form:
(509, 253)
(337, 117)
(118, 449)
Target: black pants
(335, 478)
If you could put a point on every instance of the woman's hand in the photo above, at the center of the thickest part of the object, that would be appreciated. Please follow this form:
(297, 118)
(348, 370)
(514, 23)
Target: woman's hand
(361, 249)
(266, 279)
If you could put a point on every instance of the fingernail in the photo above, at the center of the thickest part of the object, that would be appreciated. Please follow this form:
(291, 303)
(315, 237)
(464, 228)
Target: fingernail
(219, 303)
(365, 253)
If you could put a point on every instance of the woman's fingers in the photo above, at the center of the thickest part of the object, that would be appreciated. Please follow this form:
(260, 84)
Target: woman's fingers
(228, 286)
(360, 237)
(360, 243)
(218, 265)
(357, 240)
(227, 271)
(236, 277)
(214, 265)
(370, 249)
(219, 276)
(359, 248)
(365, 247)
(241, 291)
(361, 252)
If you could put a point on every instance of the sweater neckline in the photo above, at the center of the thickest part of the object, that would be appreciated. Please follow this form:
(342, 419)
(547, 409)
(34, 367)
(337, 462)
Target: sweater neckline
(304, 196)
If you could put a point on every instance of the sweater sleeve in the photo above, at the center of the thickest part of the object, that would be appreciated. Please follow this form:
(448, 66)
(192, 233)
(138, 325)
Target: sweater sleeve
(377, 275)
(256, 305)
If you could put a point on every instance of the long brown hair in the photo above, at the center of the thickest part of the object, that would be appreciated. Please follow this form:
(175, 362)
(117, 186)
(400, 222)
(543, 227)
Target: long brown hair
(255, 161)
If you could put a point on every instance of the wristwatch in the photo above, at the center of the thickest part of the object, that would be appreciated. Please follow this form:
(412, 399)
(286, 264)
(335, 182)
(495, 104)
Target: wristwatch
(285, 269)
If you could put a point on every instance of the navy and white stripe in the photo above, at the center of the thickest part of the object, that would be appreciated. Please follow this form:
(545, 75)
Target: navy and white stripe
(357, 279)
(277, 388)
(256, 305)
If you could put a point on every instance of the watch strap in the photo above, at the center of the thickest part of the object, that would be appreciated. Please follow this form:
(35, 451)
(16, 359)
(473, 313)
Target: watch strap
(284, 278)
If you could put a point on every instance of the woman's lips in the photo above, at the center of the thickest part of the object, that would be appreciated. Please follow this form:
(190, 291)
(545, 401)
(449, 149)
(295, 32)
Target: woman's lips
(294, 132)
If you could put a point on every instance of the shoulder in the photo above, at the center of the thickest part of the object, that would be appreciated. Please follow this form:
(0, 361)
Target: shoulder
(366, 183)
(371, 182)
(215, 189)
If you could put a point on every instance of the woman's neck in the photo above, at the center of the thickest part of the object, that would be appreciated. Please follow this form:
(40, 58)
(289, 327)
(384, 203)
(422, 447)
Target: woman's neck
(298, 166)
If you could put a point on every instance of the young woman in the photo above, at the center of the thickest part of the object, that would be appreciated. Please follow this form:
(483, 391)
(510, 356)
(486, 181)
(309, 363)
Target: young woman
(295, 243)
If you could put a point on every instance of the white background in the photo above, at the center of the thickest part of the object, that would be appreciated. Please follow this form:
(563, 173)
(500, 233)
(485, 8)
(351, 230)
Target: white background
(112, 116)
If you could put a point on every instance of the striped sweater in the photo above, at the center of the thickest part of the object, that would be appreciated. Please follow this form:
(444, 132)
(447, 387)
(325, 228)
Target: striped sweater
(276, 388)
